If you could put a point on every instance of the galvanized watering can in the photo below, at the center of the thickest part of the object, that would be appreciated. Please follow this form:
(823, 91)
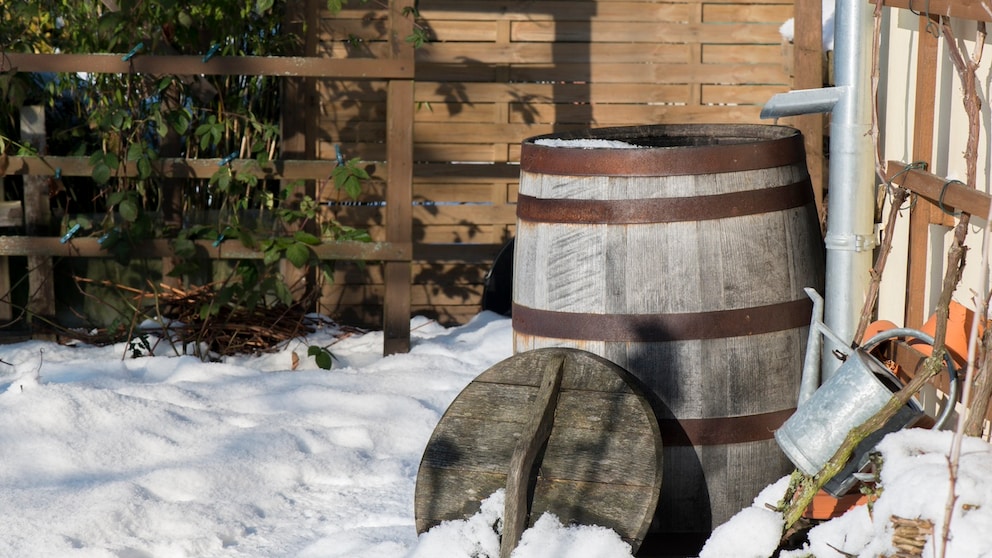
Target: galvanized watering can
(857, 390)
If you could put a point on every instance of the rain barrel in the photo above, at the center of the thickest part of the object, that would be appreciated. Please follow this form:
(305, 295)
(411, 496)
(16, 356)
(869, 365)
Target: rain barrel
(680, 253)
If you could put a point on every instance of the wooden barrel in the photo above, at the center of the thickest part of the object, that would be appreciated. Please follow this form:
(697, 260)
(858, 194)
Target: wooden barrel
(682, 260)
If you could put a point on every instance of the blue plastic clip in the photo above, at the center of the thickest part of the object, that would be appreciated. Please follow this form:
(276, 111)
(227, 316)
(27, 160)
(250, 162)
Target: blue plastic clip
(137, 48)
(220, 239)
(340, 156)
(70, 233)
(228, 159)
(58, 173)
(210, 53)
(108, 236)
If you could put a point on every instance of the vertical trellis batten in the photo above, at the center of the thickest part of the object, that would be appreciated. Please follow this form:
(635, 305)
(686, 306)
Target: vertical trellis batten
(37, 220)
(399, 188)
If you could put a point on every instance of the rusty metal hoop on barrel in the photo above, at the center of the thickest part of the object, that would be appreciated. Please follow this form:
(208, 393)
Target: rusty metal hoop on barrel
(682, 258)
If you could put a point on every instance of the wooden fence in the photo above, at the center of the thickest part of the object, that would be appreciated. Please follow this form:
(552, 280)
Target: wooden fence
(494, 74)
(395, 67)
(500, 72)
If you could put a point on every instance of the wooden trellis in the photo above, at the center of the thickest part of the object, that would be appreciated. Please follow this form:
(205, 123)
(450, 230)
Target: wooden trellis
(395, 65)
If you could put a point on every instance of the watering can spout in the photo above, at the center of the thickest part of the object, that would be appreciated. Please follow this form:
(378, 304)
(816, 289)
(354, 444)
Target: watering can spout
(814, 348)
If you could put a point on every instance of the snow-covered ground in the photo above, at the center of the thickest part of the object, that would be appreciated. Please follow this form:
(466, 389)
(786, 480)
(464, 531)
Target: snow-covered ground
(104, 455)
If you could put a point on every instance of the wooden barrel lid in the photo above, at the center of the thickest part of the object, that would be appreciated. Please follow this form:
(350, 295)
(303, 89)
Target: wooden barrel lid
(602, 464)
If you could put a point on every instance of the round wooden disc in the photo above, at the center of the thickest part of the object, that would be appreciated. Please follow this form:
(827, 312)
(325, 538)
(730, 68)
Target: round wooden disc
(602, 463)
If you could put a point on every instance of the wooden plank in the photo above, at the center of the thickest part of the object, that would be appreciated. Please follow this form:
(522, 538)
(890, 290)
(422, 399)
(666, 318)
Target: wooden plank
(538, 53)
(481, 152)
(920, 213)
(88, 247)
(638, 114)
(976, 10)
(218, 65)
(533, 92)
(176, 167)
(431, 152)
(613, 73)
(468, 216)
(298, 134)
(440, 10)
(345, 49)
(459, 112)
(734, 54)
(399, 194)
(953, 196)
(514, 133)
(472, 253)
(428, 193)
(534, 435)
(648, 32)
(463, 31)
(422, 295)
(37, 221)
(426, 273)
(740, 94)
(369, 314)
(807, 64)
(729, 13)
(374, 26)
(435, 171)
(468, 234)
(11, 214)
(605, 10)
(658, 73)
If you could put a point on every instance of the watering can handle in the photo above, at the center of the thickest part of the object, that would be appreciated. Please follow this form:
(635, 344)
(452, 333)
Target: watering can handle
(954, 387)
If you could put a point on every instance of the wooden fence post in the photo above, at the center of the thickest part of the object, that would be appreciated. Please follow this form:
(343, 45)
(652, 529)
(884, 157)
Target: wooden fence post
(37, 220)
(298, 128)
(399, 185)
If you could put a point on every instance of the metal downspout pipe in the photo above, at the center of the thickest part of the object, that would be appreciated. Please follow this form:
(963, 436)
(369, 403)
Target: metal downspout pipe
(850, 234)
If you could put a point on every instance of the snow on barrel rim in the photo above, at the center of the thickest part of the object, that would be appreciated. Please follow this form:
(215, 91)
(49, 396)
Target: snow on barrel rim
(662, 150)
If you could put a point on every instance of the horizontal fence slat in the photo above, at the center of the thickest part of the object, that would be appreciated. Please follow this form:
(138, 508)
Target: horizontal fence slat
(349, 273)
(161, 248)
(729, 13)
(11, 214)
(753, 54)
(538, 53)
(423, 295)
(467, 216)
(434, 91)
(460, 10)
(740, 94)
(648, 32)
(613, 73)
(428, 92)
(606, 10)
(950, 194)
(49, 165)
(218, 65)
(456, 173)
